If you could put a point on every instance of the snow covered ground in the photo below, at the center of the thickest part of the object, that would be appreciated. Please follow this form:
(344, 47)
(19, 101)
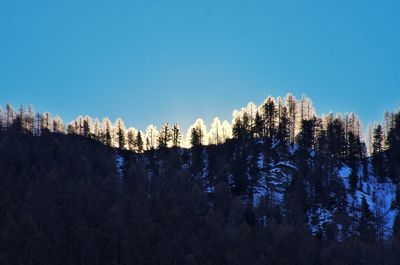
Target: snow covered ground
(379, 197)
(120, 164)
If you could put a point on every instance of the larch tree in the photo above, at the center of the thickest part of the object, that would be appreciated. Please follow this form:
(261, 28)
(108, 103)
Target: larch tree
(87, 127)
(269, 115)
(120, 133)
(131, 138)
(176, 136)
(377, 154)
(198, 131)
(58, 126)
(107, 132)
(215, 134)
(29, 119)
(9, 116)
(291, 106)
(251, 111)
(151, 137)
(226, 130)
(97, 129)
(164, 136)
(46, 123)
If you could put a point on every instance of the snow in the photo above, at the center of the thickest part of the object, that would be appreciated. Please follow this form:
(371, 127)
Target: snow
(120, 164)
(379, 197)
(318, 219)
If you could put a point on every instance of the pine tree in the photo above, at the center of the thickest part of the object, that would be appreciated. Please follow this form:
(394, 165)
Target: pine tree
(164, 136)
(366, 226)
(353, 157)
(336, 139)
(139, 142)
(131, 137)
(377, 154)
(283, 126)
(151, 137)
(121, 133)
(176, 136)
(86, 126)
(269, 113)
(107, 132)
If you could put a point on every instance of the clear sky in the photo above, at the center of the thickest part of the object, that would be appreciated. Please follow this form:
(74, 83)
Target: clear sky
(152, 61)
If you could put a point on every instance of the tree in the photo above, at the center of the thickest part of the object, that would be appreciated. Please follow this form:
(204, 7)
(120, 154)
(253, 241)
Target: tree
(151, 137)
(120, 133)
(86, 128)
(353, 157)
(195, 138)
(176, 136)
(46, 123)
(306, 137)
(226, 131)
(139, 142)
(269, 115)
(306, 109)
(377, 154)
(18, 123)
(336, 139)
(283, 126)
(291, 106)
(197, 133)
(366, 226)
(58, 126)
(29, 119)
(9, 115)
(97, 130)
(251, 112)
(107, 132)
(164, 136)
(131, 138)
(215, 134)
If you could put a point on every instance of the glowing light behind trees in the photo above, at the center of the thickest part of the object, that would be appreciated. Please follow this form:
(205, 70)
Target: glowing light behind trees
(117, 135)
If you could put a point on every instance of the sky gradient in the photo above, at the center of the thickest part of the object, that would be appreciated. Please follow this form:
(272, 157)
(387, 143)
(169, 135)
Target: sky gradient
(155, 61)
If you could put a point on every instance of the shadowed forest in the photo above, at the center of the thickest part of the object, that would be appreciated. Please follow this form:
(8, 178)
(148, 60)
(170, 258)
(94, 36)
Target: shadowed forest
(277, 185)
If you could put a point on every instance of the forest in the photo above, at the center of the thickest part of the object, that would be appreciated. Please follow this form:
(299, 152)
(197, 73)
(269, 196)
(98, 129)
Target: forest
(276, 185)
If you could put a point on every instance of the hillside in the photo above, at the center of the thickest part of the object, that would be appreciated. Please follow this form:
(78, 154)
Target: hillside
(67, 199)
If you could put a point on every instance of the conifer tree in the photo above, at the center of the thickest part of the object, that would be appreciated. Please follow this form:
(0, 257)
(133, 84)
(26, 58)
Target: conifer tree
(107, 132)
(139, 142)
(366, 227)
(176, 136)
(269, 114)
(131, 138)
(9, 116)
(164, 136)
(151, 137)
(120, 133)
(377, 154)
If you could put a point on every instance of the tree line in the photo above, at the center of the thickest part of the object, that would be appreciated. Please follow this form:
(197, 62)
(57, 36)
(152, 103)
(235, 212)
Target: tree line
(253, 196)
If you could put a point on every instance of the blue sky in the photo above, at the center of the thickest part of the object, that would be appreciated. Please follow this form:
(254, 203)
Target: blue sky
(155, 61)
